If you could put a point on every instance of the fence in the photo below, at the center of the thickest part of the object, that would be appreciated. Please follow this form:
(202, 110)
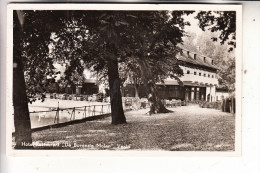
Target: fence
(62, 115)
(212, 105)
(229, 105)
(48, 116)
(226, 105)
(174, 103)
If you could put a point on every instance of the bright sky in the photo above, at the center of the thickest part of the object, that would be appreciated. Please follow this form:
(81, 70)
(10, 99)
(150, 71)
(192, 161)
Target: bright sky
(194, 27)
(87, 73)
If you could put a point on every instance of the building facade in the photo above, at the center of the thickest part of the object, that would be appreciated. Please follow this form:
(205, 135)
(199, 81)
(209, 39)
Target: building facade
(199, 80)
(221, 93)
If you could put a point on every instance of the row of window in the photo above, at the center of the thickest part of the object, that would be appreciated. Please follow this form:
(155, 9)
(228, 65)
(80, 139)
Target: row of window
(195, 73)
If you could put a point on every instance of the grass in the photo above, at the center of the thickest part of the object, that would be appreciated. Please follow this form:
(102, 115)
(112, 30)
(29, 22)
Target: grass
(188, 128)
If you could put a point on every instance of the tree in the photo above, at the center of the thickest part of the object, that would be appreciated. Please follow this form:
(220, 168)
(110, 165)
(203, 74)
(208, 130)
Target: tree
(21, 112)
(102, 40)
(154, 47)
(189, 42)
(130, 74)
(228, 75)
(223, 22)
(116, 37)
(94, 34)
(144, 36)
(31, 33)
(220, 21)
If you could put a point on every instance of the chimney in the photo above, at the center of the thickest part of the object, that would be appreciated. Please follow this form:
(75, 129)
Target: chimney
(205, 59)
(188, 52)
(212, 62)
(195, 56)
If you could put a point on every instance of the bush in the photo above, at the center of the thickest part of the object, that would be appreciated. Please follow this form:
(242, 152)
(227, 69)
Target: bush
(211, 105)
(226, 105)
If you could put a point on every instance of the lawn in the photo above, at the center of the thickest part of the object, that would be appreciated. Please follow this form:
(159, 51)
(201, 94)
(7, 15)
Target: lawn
(188, 128)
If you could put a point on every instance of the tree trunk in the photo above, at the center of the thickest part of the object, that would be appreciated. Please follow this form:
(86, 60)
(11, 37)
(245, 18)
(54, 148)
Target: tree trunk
(136, 90)
(22, 121)
(152, 93)
(154, 99)
(117, 112)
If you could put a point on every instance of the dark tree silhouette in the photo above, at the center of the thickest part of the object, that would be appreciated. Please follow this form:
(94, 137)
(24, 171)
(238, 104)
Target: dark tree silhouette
(99, 39)
(31, 33)
(225, 23)
(153, 50)
(116, 37)
(222, 21)
(21, 112)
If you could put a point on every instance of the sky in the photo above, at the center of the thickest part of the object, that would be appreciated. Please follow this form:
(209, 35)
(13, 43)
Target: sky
(194, 27)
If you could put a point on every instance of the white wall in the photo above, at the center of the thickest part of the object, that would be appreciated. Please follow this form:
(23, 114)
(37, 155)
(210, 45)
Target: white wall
(196, 78)
(220, 95)
(211, 90)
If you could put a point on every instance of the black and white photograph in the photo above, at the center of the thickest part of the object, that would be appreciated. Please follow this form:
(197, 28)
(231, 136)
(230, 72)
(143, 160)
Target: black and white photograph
(125, 78)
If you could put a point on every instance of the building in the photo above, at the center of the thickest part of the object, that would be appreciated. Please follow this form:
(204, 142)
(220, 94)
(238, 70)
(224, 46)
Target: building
(199, 80)
(221, 93)
(88, 87)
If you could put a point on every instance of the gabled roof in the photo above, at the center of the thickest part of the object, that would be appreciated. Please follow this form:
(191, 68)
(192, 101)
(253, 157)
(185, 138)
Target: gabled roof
(188, 57)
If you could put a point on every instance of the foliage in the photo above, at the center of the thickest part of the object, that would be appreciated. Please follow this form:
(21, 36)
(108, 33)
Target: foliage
(228, 75)
(38, 66)
(126, 37)
(225, 23)
(154, 44)
(222, 21)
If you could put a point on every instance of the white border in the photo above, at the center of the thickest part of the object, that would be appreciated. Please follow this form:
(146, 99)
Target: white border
(86, 153)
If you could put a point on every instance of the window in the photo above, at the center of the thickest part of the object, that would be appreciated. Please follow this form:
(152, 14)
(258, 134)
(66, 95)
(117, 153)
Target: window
(195, 73)
(212, 76)
(188, 72)
(208, 75)
(199, 74)
(204, 75)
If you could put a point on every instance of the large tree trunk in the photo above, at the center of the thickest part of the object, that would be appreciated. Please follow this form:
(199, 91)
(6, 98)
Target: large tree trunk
(22, 122)
(117, 112)
(153, 97)
(152, 93)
